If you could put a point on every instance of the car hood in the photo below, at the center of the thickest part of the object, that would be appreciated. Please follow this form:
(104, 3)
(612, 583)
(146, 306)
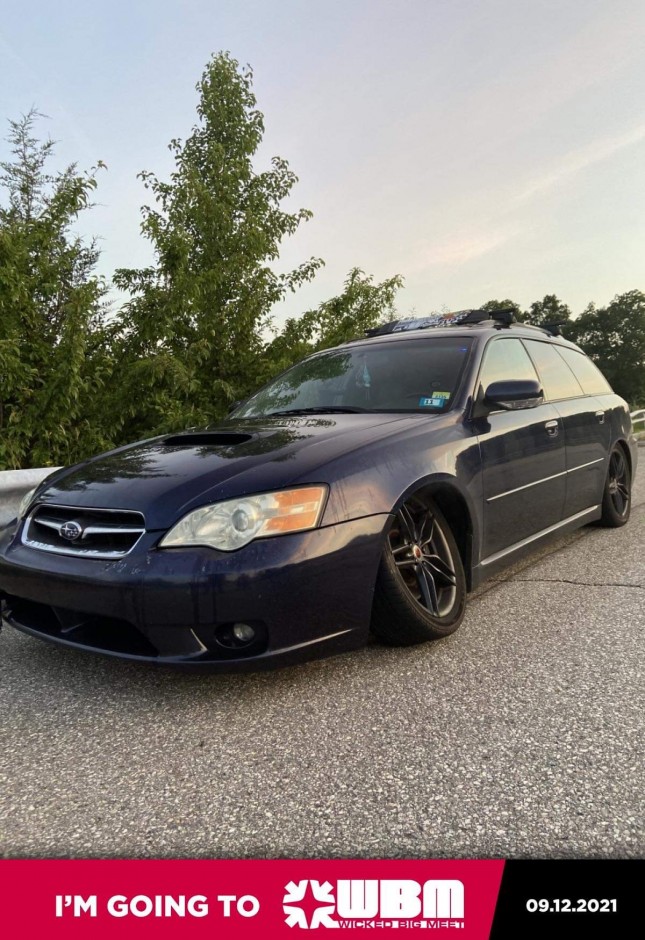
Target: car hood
(167, 476)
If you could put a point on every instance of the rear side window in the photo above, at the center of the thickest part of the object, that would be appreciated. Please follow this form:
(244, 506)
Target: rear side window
(506, 359)
(590, 377)
(558, 381)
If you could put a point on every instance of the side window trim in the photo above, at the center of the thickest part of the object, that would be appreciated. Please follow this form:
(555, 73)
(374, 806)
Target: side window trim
(526, 342)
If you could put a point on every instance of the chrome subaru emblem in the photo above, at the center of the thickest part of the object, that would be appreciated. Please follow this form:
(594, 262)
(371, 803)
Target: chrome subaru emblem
(71, 531)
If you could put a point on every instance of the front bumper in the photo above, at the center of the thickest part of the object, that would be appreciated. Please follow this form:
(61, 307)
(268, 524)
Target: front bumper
(306, 595)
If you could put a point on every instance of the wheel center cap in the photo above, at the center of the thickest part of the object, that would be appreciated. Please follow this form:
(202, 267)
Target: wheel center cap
(416, 551)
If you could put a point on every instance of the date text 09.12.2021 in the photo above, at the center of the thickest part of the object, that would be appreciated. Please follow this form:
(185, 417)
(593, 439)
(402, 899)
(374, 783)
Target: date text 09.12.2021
(567, 906)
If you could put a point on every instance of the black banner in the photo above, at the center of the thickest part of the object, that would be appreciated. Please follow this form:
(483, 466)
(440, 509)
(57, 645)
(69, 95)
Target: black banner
(567, 898)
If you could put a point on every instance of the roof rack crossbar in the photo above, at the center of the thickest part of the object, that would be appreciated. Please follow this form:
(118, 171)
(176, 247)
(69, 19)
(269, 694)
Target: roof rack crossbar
(554, 328)
(503, 315)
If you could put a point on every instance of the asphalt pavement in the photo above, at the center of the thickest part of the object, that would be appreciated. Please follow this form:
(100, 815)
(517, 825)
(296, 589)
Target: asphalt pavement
(522, 735)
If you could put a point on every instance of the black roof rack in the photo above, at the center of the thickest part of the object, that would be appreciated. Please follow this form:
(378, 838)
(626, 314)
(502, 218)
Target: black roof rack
(554, 328)
(501, 318)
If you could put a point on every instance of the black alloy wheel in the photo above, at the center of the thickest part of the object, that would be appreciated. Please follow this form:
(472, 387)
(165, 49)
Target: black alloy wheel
(616, 502)
(421, 587)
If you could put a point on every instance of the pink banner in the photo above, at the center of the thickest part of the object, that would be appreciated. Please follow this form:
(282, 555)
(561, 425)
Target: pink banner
(281, 898)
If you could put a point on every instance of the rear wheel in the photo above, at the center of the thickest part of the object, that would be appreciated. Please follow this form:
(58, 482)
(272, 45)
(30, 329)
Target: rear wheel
(617, 496)
(421, 586)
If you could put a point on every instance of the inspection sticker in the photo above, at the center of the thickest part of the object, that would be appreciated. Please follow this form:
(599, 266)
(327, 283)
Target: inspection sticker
(438, 400)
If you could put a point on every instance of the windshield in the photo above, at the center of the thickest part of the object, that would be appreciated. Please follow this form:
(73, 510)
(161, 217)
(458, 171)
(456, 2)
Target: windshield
(421, 375)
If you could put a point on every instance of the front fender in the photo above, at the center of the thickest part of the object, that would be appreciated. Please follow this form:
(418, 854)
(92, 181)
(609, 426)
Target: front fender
(378, 479)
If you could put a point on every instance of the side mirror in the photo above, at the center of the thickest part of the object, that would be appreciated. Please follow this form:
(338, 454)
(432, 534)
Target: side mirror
(514, 394)
(234, 405)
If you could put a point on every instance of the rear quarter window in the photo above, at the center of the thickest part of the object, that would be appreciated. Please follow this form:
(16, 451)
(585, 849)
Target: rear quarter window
(558, 381)
(589, 375)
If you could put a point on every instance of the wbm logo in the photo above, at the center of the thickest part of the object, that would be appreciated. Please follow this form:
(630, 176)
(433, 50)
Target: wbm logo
(309, 904)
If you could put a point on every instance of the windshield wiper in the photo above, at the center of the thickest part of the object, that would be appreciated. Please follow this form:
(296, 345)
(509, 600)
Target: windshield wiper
(322, 410)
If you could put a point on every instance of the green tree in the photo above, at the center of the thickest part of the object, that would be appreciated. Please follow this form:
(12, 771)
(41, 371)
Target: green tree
(548, 310)
(361, 305)
(614, 337)
(50, 303)
(190, 340)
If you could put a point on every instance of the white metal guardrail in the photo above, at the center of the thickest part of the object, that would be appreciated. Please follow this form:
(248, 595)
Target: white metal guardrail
(638, 417)
(13, 486)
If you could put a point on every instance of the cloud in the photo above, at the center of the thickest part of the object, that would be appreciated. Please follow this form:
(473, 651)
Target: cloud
(579, 160)
(459, 248)
(491, 233)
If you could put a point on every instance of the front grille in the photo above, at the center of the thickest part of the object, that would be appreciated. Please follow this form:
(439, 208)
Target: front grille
(91, 533)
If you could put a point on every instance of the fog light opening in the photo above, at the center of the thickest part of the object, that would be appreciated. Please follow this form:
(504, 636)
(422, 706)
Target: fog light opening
(235, 635)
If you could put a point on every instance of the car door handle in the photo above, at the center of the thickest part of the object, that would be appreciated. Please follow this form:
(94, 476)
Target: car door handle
(601, 417)
(552, 428)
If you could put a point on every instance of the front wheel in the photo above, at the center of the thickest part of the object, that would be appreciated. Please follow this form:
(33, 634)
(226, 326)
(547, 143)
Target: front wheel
(421, 586)
(617, 495)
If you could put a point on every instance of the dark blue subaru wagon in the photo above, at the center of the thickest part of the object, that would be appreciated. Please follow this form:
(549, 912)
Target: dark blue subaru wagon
(367, 489)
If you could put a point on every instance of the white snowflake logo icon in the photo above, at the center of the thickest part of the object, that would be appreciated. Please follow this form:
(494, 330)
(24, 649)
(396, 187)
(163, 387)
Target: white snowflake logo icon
(296, 911)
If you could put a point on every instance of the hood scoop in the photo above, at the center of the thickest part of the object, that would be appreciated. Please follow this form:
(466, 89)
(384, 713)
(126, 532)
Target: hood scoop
(207, 439)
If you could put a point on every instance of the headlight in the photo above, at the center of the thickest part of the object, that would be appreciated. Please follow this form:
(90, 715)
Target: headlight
(25, 502)
(234, 523)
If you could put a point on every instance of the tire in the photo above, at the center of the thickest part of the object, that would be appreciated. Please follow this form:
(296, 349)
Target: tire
(617, 495)
(420, 589)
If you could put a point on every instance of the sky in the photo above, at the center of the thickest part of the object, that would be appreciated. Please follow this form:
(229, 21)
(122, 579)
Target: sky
(480, 148)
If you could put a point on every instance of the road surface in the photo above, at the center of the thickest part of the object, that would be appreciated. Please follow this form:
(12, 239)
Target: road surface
(520, 736)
